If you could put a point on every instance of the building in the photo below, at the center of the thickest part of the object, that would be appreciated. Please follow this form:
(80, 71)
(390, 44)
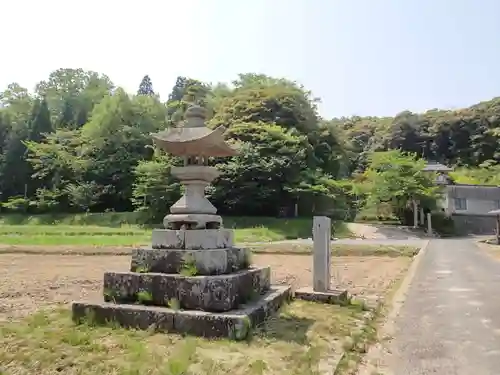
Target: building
(470, 206)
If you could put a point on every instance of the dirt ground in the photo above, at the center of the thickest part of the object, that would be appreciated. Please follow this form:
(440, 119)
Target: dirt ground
(491, 249)
(381, 231)
(30, 282)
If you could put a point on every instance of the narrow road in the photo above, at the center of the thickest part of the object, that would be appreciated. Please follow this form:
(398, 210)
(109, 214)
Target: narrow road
(450, 321)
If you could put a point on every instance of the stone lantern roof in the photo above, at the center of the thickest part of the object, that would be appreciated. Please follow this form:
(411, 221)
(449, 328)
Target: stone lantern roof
(193, 138)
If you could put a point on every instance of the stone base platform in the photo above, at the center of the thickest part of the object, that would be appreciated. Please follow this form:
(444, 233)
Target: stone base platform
(332, 297)
(235, 324)
(206, 261)
(209, 293)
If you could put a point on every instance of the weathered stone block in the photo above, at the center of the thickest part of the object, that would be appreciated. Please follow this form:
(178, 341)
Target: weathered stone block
(208, 239)
(126, 286)
(332, 297)
(235, 324)
(167, 239)
(129, 316)
(206, 262)
(192, 239)
(208, 293)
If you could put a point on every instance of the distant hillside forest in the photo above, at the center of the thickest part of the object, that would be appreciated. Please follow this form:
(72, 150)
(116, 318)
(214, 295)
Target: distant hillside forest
(78, 143)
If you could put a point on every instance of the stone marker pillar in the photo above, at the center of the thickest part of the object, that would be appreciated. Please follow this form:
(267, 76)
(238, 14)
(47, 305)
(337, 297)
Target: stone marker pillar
(321, 290)
(321, 253)
(429, 224)
(415, 214)
(422, 216)
(497, 231)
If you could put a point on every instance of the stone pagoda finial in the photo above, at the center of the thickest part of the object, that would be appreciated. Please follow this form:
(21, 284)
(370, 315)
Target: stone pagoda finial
(195, 117)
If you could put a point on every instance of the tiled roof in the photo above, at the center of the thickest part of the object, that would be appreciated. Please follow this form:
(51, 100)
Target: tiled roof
(436, 167)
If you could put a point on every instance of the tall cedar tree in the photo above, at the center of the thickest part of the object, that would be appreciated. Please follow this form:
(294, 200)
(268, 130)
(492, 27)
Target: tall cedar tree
(67, 118)
(146, 87)
(40, 123)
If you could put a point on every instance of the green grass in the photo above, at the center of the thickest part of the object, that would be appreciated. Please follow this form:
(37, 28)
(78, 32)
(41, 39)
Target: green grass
(73, 235)
(302, 337)
(125, 229)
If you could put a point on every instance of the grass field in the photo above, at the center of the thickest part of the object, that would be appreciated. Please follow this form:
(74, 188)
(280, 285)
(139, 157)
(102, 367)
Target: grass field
(124, 229)
(303, 338)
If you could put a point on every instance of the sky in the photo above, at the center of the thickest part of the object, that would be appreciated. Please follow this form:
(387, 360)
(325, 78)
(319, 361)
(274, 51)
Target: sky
(360, 57)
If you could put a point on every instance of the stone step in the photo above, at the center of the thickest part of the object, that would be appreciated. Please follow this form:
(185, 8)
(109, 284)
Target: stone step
(205, 262)
(209, 293)
(235, 324)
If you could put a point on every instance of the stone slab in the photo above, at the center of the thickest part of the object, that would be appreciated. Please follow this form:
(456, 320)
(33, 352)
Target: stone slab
(195, 239)
(209, 293)
(207, 262)
(332, 297)
(236, 324)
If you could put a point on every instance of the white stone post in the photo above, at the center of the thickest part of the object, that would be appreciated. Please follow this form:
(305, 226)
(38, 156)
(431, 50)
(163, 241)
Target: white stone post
(415, 214)
(321, 253)
(429, 224)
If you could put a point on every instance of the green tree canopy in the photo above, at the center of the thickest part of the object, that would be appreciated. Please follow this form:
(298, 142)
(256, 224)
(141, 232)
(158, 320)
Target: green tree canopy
(79, 143)
(398, 179)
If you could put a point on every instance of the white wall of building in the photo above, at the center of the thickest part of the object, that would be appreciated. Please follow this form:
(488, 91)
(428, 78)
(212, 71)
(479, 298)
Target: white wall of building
(471, 200)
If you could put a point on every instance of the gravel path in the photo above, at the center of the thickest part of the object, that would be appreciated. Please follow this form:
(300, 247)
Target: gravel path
(450, 322)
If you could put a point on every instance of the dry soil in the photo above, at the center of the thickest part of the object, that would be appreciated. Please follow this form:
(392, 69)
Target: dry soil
(30, 282)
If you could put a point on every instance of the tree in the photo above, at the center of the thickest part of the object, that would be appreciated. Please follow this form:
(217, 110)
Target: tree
(15, 98)
(82, 89)
(149, 114)
(155, 189)
(40, 124)
(186, 92)
(398, 179)
(284, 104)
(146, 86)
(487, 173)
(67, 118)
(4, 130)
(261, 178)
(16, 113)
(56, 164)
(79, 143)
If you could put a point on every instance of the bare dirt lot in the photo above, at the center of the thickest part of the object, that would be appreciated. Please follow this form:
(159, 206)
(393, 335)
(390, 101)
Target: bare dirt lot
(30, 282)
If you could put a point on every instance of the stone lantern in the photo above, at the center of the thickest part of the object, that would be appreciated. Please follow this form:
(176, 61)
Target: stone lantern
(192, 279)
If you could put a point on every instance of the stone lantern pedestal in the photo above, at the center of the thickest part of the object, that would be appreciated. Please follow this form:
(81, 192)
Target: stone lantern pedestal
(192, 279)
